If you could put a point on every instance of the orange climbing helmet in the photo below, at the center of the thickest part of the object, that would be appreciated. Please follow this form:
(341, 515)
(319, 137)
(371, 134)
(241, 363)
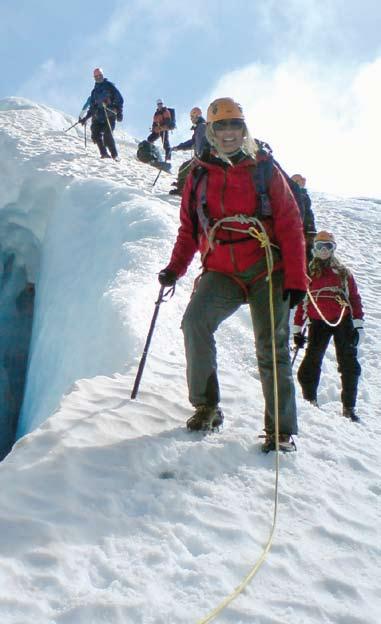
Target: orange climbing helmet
(324, 237)
(224, 108)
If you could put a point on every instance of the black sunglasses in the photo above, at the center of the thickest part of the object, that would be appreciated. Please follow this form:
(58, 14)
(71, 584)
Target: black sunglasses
(224, 124)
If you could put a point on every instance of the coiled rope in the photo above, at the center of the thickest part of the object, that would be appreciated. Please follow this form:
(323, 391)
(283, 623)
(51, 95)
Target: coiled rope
(344, 304)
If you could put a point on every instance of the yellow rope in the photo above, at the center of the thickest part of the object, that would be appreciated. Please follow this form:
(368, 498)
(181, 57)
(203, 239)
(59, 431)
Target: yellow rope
(341, 301)
(264, 240)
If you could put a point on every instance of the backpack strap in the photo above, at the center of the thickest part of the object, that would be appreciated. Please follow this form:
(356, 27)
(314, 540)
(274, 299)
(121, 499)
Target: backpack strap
(198, 207)
(173, 118)
(261, 175)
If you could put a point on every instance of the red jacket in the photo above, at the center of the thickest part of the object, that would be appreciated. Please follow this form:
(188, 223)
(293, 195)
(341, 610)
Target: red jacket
(231, 191)
(324, 289)
(161, 120)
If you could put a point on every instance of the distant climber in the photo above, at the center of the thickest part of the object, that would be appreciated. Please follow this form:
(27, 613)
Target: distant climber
(163, 121)
(197, 142)
(308, 218)
(105, 108)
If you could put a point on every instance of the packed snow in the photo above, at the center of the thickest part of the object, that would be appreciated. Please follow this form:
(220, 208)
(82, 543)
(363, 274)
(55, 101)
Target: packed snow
(110, 511)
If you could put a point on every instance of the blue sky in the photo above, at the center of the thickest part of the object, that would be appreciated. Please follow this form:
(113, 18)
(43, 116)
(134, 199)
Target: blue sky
(297, 66)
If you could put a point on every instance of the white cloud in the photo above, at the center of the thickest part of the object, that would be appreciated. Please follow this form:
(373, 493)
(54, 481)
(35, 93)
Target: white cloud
(323, 122)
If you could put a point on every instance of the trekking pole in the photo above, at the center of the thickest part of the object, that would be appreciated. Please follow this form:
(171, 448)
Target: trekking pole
(162, 297)
(297, 349)
(74, 124)
(85, 136)
(109, 110)
(157, 177)
(107, 119)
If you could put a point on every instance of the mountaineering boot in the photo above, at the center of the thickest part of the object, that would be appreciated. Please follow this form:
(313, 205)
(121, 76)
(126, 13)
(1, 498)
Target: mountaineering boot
(175, 191)
(105, 155)
(313, 402)
(286, 443)
(350, 412)
(206, 417)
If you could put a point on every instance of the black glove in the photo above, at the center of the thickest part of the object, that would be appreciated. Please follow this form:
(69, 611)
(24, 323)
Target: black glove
(355, 337)
(299, 340)
(119, 116)
(167, 277)
(296, 296)
(82, 121)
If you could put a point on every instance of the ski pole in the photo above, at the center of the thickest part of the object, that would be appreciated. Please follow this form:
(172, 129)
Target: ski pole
(74, 124)
(142, 362)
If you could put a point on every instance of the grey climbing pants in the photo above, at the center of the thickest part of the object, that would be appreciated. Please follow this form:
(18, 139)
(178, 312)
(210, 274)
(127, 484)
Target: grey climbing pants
(216, 298)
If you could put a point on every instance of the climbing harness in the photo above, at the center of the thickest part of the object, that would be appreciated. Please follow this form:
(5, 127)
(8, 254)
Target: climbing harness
(333, 292)
(261, 235)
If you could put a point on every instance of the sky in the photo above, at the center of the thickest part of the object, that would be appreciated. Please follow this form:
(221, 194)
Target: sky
(110, 511)
(305, 71)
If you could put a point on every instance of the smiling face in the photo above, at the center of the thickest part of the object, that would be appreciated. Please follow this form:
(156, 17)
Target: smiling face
(229, 134)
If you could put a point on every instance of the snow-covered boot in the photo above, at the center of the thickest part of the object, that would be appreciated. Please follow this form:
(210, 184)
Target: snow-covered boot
(286, 443)
(350, 412)
(206, 417)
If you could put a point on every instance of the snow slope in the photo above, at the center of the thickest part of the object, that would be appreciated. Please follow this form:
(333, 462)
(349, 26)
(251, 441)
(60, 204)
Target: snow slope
(112, 512)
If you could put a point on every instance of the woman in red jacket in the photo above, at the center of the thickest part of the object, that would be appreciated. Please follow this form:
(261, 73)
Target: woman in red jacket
(219, 218)
(332, 308)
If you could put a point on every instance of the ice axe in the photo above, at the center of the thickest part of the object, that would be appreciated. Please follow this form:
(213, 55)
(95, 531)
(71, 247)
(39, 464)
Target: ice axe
(297, 349)
(162, 297)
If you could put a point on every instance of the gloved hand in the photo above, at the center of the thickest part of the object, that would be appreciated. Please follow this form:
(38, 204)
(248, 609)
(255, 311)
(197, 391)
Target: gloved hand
(296, 296)
(82, 121)
(358, 332)
(299, 340)
(174, 149)
(119, 116)
(167, 277)
(357, 336)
